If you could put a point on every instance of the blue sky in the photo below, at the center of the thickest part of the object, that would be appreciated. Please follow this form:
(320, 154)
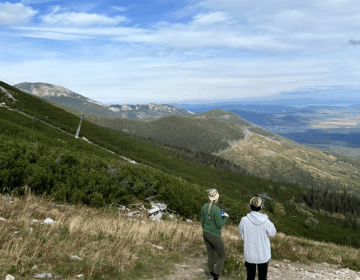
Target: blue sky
(136, 52)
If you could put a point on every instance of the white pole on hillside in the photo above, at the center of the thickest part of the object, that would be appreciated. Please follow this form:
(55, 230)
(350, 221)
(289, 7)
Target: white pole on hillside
(78, 130)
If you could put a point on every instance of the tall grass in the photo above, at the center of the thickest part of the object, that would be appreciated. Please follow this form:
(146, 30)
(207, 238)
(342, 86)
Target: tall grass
(113, 247)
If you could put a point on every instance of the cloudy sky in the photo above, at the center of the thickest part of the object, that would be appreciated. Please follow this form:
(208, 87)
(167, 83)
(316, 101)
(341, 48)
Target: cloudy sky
(141, 51)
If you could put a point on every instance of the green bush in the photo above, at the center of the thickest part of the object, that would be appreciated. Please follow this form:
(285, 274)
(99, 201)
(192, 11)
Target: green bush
(311, 223)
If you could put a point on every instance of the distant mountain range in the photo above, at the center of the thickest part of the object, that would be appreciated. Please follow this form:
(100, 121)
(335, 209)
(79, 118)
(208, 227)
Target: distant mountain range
(68, 98)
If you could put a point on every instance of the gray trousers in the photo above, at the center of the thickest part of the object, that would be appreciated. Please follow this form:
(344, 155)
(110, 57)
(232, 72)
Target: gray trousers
(214, 244)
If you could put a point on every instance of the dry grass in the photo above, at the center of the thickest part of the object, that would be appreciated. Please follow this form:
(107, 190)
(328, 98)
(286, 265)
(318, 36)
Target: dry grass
(113, 247)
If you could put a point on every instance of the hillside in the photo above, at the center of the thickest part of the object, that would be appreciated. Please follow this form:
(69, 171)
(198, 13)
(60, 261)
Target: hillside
(257, 150)
(272, 156)
(40, 153)
(207, 135)
(107, 244)
(68, 98)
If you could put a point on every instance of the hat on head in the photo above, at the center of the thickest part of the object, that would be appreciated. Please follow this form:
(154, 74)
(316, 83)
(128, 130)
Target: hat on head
(213, 194)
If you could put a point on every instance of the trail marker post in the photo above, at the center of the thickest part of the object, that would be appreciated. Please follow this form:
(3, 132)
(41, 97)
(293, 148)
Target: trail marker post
(78, 130)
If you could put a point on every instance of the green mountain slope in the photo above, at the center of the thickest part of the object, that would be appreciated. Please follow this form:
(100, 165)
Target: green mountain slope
(207, 135)
(38, 150)
(260, 152)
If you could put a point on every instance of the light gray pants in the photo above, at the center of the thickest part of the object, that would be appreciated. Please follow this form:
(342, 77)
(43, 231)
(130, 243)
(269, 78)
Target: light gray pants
(214, 244)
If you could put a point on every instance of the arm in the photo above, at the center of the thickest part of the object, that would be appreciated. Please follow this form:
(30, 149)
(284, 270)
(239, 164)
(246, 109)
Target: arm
(241, 229)
(270, 229)
(202, 219)
(218, 221)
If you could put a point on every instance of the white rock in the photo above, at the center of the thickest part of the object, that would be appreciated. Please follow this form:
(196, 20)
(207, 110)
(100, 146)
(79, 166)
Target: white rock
(34, 267)
(157, 216)
(43, 275)
(157, 247)
(75, 258)
(143, 222)
(4, 220)
(80, 276)
(9, 277)
(49, 221)
(30, 229)
(188, 221)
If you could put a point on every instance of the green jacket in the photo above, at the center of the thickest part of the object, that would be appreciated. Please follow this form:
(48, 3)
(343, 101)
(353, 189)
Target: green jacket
(214, 225)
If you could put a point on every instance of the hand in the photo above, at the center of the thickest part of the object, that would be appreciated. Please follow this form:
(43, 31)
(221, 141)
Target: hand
(226, 215)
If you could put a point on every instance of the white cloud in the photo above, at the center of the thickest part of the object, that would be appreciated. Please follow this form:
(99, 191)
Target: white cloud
(15, 13)
(119, 8)
(80, 19)
(28, 2)
(210, 18)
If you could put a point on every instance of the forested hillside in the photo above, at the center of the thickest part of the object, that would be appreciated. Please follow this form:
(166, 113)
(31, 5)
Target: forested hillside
(38, 150)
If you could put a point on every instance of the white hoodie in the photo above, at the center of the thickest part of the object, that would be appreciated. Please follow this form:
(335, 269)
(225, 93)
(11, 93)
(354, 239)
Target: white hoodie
(255, 229)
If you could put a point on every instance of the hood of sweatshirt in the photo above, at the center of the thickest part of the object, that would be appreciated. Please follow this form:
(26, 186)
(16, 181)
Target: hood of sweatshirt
(257, 218)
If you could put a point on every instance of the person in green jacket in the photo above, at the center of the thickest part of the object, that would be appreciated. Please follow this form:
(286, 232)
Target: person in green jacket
(212, 222)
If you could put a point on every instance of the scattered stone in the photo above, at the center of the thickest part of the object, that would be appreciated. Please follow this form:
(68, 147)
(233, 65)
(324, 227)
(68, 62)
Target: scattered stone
(34, 267)
(80, 276)
(143, 222)
(121, 207)
(3, 220)
(16, 232)
(188, 221)
(43, 275)
(156, 217)
(157, 247)
(30, 229)
(9, 277)
(49, 221)
(75, 258)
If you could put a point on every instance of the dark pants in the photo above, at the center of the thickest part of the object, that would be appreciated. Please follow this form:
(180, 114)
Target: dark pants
(251, 270)
(214, 244)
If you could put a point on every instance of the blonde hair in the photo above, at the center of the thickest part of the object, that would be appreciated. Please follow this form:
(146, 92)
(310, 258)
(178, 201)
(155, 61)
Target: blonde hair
(213, 198)
(256, 202)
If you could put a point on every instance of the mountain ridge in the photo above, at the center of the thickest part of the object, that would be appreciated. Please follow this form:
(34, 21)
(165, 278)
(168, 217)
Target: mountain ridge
(74, 100)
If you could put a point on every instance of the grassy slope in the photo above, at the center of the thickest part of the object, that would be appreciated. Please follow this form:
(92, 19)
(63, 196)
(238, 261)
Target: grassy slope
(236, 189)
(289, 164)
(266, 154)
(208, 135)
(112, 247)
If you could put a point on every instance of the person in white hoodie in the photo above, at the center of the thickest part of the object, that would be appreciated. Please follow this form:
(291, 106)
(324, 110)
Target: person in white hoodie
(255, 229)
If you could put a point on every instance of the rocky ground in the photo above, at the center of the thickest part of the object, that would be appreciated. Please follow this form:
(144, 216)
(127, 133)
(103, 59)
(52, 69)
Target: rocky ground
(196, 269)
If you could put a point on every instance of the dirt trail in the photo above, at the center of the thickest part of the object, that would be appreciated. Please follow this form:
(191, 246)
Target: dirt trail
(196, 269)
